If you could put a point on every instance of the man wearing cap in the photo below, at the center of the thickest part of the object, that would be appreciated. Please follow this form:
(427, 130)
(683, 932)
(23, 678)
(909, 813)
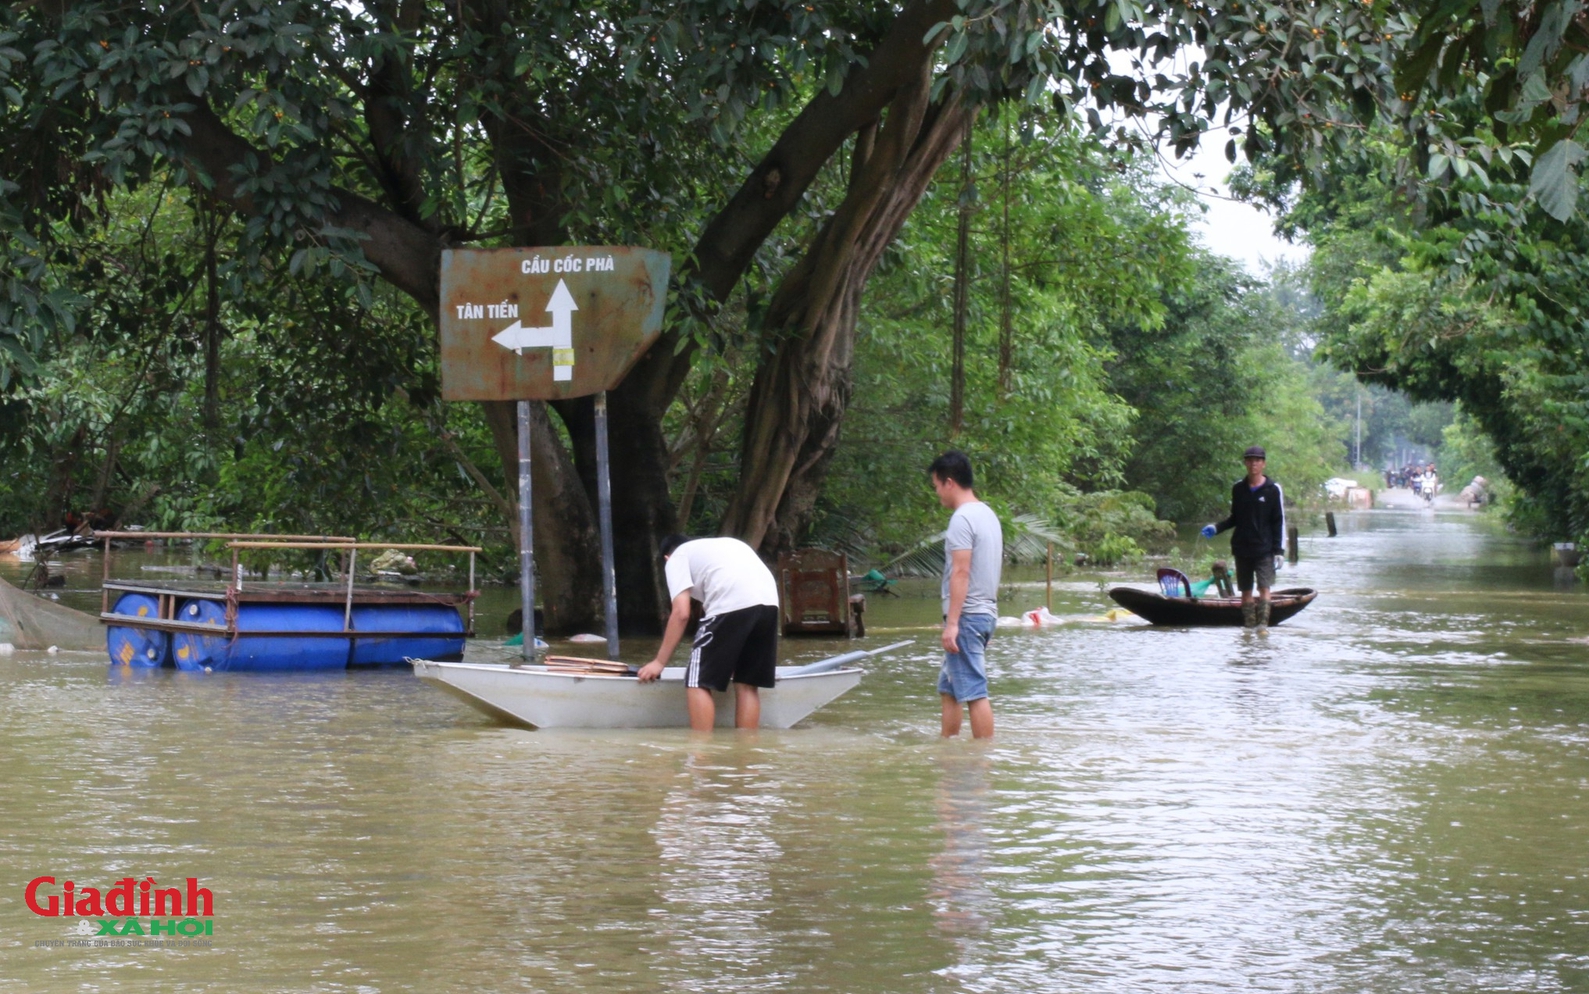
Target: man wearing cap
(1257, 512)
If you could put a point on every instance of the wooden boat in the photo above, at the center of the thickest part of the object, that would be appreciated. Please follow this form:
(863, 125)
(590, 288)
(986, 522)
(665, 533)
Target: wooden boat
(558, 697)
(1158, 609)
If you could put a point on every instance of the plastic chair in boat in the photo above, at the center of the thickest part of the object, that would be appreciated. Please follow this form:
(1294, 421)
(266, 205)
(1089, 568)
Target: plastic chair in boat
(1173, 583)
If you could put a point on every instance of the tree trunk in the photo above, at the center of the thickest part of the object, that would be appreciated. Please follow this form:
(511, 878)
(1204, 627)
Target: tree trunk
(802, 388)
(1006, 309)
(646, 514)
(962, 296)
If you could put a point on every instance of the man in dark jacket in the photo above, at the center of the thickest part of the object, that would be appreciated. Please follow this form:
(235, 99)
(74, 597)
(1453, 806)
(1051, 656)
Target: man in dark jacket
(1257, 512)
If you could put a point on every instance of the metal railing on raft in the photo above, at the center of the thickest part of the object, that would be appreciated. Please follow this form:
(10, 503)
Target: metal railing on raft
(352, 547)
(254, 540)
(104, 577)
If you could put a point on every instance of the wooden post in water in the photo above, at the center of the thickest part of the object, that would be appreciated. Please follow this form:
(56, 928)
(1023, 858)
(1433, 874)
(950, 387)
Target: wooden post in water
(1048, 598)
(1291, 543)
(1329, 522)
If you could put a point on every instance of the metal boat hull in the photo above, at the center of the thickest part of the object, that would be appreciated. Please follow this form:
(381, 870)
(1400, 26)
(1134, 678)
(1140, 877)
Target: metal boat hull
(1157, 609)
(541, 698)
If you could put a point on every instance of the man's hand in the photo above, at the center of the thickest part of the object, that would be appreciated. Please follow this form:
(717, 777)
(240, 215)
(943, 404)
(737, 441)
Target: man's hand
(678, 618)
(951, 637)
(1208, 531)
(1279, 560)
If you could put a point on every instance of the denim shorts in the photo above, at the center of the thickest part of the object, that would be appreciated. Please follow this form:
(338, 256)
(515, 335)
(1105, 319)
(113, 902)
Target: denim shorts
(964, 675)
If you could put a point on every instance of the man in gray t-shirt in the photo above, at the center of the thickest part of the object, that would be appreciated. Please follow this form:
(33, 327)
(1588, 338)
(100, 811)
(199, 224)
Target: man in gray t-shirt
(973, 552)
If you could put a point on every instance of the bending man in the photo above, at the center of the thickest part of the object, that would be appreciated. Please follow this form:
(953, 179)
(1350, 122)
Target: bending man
(738, 637)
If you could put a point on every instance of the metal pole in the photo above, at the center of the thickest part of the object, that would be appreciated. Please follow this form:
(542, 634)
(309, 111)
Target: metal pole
(609, 576)
(471, 593)
(347, 611)
(526, 535)
(1357, 448)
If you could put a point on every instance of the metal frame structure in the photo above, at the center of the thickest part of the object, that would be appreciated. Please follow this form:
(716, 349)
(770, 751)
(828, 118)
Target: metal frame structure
(167, 596)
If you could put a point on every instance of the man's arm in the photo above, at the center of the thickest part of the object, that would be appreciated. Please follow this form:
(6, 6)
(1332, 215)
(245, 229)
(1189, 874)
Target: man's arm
(677, 620)
(1279, 515)
(959, 584)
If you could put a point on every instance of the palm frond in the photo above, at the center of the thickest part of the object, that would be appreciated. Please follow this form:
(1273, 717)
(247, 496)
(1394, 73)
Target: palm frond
(1026, 540)
(925, 558)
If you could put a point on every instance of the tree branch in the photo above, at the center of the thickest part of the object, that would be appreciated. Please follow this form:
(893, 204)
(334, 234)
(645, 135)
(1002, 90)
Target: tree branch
(408, 256)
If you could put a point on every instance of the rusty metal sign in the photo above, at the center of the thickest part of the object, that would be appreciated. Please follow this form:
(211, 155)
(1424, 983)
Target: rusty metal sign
(546, 323)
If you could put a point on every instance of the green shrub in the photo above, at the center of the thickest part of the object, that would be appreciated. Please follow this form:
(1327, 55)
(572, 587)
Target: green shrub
(1112, 549)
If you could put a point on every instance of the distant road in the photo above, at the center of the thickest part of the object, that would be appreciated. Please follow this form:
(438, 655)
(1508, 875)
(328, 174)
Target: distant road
(1402, 498)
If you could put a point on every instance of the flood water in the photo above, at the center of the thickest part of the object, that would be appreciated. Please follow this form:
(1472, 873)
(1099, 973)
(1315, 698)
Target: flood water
(1388, 793)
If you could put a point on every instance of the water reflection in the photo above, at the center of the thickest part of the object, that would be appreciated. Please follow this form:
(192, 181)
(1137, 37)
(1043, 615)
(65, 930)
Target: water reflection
(962, 901)
(713, 836)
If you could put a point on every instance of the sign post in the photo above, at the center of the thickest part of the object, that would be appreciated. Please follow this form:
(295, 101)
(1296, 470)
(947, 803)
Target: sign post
(609, 571)
(526, 535)
(603, 307)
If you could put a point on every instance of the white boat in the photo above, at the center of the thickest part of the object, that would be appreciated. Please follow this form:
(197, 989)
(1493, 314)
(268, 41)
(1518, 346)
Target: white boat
(547, 698)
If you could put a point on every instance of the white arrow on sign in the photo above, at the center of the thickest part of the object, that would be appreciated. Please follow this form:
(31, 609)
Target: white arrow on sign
(558, 336)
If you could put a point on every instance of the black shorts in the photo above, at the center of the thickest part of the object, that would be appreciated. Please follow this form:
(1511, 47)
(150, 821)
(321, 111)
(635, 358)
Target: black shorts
(741, 646)
(1250, 568)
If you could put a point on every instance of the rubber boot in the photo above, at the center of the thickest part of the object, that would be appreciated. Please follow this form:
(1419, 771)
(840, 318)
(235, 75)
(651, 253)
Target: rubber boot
(1249, 615)
(1263, 617)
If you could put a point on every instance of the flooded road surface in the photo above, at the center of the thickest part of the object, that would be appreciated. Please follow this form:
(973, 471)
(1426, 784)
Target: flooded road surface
(1388, 793)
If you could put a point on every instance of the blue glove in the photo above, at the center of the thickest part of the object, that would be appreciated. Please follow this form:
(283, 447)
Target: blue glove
(1209, 531)
(1279, 560)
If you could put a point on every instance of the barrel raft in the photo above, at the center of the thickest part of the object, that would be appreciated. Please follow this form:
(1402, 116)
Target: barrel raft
(289, 628)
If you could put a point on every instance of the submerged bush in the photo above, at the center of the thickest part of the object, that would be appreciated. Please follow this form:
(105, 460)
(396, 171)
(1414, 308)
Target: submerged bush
(1092, 520)
(1112, 549)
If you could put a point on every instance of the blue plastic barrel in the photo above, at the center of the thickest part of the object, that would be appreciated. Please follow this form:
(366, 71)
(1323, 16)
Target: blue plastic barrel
(137, 646)
(247, 653)
(441, 619)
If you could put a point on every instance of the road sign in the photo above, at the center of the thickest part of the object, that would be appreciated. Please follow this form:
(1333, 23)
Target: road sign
(546, 323)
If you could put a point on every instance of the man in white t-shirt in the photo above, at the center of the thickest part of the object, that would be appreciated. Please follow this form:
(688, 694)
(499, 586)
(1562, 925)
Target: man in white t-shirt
(738, 637)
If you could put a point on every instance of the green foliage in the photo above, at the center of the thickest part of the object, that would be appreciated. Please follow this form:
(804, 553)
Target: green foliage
(1479, 303)
(275, 149)
(1113, 549)
(1104, 522)
(1217, 376)
(319, 416)
(1083, 248)
(1466, 452)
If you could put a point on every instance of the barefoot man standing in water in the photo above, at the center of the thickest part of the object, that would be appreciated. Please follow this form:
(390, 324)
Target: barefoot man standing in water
(973, 551)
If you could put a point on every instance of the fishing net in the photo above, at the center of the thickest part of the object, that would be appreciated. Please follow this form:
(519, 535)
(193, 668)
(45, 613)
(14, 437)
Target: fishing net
(30, 622)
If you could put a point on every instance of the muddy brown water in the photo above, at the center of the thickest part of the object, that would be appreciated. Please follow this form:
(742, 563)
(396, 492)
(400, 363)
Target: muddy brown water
(1389, 793)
